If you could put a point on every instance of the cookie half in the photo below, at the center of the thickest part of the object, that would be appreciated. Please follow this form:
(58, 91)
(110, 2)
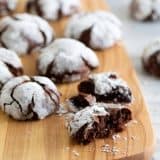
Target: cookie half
(98, 121)
(107, 87)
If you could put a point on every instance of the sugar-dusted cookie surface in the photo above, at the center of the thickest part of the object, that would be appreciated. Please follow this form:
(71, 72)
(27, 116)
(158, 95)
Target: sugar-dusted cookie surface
(53, 9)
(23, 33)
(151, 58)
(7, 6)
(98, 29)
(107, 87)
(10, 65)
(66, 60)
(145, 10)
(98, 121)
(25, 98)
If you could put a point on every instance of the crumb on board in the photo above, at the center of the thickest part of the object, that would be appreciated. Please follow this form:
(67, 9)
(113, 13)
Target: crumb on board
(75, 153)
(108, 149)
(116, 137)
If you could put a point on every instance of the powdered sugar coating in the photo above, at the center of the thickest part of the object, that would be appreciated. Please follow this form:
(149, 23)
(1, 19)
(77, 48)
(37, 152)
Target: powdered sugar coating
(23, 33)
(104, 28)
(7, 6)
(66, 59)
(104, 83)
(145, 9)
(152, 48)
(88, 116)
(25, 98)
(10, 65)
(53, 9)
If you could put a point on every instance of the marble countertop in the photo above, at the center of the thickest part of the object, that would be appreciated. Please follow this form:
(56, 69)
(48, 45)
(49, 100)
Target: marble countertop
(136, 36)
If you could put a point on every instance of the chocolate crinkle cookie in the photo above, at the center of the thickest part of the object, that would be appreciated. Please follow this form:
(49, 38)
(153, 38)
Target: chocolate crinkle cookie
(24, 33)
(7, 6)
(98, 121)
(151, 58)
(10, 65)
(53, 9)
(107, 87)
(26, 98)
(145, 10)
(66, 60)
(98, 29)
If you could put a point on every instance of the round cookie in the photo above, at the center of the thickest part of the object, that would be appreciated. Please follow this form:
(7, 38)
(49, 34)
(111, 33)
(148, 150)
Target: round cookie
(53, 9)
(145, 10)
(151, 58)
(24, 33)
(25, 98)
(66, 60)
(98, 121)
(107, 87)
(7, 6)
(10, 65)
(98, 29)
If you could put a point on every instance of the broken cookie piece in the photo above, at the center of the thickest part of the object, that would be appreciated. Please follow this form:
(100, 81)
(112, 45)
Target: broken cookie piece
(98, 121)
(25, 98)
(106, 87)
(76, 103)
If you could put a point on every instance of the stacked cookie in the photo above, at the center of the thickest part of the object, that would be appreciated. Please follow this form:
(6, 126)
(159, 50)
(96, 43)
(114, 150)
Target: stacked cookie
(101, 107)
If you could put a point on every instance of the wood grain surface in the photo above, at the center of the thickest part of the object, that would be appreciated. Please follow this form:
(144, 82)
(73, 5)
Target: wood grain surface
(48, 139)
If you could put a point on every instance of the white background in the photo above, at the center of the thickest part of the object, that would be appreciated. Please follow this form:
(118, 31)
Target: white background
(136, 36)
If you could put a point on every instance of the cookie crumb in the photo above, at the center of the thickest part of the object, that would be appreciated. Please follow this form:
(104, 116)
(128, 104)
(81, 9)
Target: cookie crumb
(116, 137)
(76, 153)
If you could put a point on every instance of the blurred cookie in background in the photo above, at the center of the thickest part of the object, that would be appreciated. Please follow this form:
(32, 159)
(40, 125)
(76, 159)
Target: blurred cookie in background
(10, 65)
(98, 29)
(151, 58)
(53, 9)
(7, 7)
(145, 10)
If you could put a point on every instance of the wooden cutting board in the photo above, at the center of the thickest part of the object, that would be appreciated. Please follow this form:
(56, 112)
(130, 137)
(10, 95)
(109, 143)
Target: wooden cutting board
(48, 139)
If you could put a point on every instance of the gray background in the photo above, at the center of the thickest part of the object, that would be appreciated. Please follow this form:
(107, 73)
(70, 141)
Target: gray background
(136, 36)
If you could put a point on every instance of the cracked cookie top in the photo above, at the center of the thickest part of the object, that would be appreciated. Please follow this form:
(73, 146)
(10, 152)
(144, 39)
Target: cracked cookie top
(25, 98)
(98, 29)
(106, 87)
(66, 60)
(10, 65)
(145, 10)
(24, 33)
(7, 6)
(53, 9)
(151, 58)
